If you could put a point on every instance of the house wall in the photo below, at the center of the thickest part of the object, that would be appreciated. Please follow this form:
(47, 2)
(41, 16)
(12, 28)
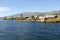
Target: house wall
(42, 18)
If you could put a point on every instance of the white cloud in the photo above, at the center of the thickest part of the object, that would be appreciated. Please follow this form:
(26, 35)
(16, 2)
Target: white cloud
(3, 9)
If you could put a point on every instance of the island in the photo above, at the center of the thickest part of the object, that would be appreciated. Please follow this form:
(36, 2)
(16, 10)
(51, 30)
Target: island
(46, 17)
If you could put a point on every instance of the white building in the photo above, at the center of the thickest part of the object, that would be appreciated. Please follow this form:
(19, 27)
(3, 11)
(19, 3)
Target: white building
(50, 16)
(42, 18)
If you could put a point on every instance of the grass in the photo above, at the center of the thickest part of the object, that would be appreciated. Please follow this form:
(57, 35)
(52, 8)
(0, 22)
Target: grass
(53, 19)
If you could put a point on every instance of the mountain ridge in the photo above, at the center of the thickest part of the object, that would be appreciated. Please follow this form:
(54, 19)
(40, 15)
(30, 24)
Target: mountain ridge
(35, 13)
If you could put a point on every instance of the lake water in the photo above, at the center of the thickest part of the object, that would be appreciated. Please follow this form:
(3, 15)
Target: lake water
(13, 30)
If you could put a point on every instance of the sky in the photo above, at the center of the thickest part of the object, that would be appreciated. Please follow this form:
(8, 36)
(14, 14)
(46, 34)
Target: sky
(11, 7)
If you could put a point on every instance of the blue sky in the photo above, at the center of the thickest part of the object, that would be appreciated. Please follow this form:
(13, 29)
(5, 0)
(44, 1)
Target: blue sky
(10, 7)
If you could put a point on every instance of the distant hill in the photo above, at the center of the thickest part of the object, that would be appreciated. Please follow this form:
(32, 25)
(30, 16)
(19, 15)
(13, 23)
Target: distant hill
(35, 13)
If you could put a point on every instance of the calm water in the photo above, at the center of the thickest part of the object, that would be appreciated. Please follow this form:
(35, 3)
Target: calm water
(13, 30)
